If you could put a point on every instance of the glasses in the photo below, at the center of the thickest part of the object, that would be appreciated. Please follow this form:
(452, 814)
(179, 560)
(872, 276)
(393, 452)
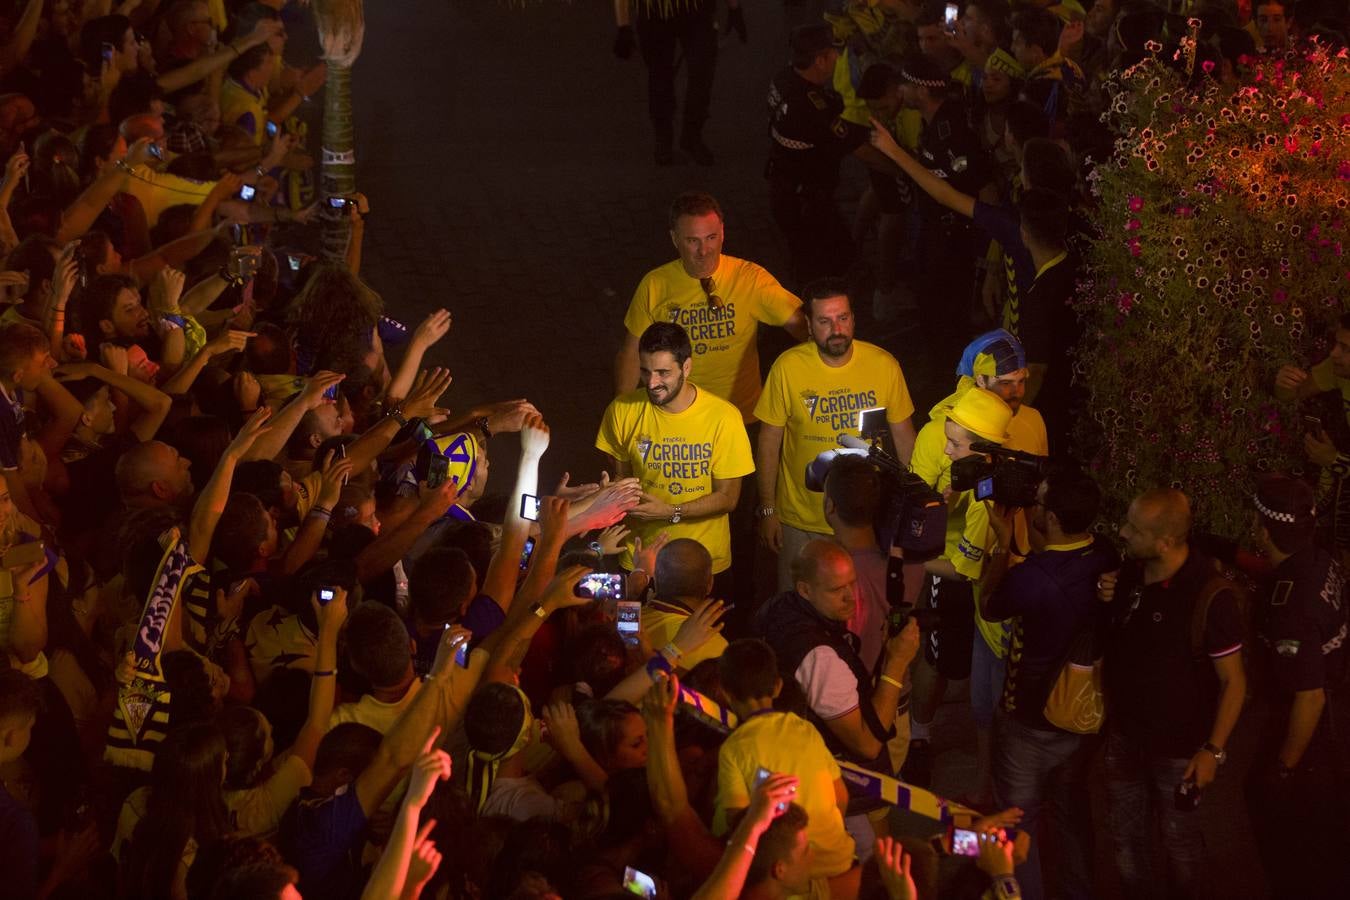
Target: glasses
(710, 291)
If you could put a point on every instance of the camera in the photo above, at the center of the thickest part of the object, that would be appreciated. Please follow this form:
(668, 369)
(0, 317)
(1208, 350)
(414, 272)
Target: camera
(1007, 477)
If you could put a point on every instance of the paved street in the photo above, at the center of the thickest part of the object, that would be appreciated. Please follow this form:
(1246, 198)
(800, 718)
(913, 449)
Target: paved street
(507, 155)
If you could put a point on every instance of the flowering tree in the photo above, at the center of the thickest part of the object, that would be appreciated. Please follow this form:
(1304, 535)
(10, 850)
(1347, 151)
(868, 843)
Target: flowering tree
(1222, 220)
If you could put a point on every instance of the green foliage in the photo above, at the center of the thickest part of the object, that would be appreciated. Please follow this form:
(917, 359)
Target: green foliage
(1223, 223)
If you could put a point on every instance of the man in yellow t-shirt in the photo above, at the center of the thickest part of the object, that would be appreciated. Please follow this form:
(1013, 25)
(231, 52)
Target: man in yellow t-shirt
(687, 447)
(815, 393)
(781, 743)
(684, 583)
(718, 300)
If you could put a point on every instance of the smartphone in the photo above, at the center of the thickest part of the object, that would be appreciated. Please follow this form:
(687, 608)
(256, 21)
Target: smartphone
(462, 654)
(640, 883)
(22, 556)
(156, 151)
(339, 202)
(415, 430)
(438, 470)
(177, 320)
(601, 586)
(325, 595)
(247, 192)
(108, 51)
(762, 775)
(529, 507)
(1313, 424)
(964, 842)
(331, 394)
(630, 614)
(525, 554)
(244, 263)
(293, 261)
(271, 128)
(950, 16)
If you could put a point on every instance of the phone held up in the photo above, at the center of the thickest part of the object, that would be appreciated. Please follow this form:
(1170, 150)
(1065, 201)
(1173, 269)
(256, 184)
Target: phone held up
(600, 586)
(630, 619)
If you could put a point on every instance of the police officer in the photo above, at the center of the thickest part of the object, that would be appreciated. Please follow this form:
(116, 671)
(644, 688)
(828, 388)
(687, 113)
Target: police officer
(1296, 797)
(660, 27)
(808, 138)
(951, 149)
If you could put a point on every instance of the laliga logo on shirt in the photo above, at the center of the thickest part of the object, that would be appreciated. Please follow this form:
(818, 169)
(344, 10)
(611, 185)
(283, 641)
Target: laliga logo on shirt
(675, 489)
(810, 398)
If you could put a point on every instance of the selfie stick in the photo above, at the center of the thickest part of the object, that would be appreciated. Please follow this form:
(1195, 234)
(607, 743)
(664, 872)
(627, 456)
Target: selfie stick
(866, 782)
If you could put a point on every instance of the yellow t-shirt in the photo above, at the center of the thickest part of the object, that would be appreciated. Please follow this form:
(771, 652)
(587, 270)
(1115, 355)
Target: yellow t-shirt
(814, 404)
(785, 743)
(157, 191)
(726, 354)
(237, 101)
(660, 622)
(676, 456)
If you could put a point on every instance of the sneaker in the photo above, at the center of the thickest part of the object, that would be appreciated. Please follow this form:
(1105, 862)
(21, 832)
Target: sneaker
(918, 767)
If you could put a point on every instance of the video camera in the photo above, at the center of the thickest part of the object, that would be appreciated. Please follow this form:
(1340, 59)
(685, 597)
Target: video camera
(911, 517)
(1008, 477)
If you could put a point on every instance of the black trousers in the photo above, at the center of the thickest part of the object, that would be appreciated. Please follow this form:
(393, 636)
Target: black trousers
(695, 33)
(818, 239)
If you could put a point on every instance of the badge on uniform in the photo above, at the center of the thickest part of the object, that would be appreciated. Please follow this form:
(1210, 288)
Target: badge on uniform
(839, 128)
(959, 164)
(816, 100)
(1287, 648)
(1280, 596)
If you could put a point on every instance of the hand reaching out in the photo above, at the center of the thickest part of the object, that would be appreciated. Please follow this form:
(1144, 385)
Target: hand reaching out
(893, 863)
(431, 767)
(699, 628)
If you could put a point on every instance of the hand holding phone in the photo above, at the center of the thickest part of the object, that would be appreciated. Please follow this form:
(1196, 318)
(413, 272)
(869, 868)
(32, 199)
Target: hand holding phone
(21, 556)
(963, 842)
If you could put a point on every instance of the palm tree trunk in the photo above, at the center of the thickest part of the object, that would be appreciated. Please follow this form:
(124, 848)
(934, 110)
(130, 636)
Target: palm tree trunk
(338, 173)
(342, 29)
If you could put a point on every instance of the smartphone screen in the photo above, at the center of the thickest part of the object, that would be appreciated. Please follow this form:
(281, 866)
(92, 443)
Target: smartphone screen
(325, 595)
(338, 202)
(462, 655)
(965, 842)
(529, 507)
(525, 554)
(950, 16)
(331, 394)
(156, 151)
(247, 192)
(438, 469)
(630, 616)
(601, 586)
(271, 128)
(293, 261)
(871, 421)
(639, 883)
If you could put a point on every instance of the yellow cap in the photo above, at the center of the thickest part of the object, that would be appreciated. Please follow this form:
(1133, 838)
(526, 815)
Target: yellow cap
(982, 413)
(1002, 61)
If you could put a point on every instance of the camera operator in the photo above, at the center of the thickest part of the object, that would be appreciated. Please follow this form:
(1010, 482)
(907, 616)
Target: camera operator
(806, 629)
(1174, 686)
(1292, 795)
(970, 563)
(1053, 596)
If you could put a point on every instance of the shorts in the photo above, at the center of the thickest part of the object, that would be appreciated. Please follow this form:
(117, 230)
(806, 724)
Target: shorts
(949, 644)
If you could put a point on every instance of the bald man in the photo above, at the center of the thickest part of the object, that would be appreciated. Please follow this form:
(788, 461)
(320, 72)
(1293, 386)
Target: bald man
(153, 474)
(807, 628)
(683, 581)
(1174, 685)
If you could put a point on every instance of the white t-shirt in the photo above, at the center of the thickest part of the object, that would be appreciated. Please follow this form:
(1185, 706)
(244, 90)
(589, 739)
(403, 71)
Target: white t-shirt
(521, 799)
(829, 684)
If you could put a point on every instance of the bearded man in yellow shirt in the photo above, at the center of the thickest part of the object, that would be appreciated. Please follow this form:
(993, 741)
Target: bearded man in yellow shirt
(687, 447)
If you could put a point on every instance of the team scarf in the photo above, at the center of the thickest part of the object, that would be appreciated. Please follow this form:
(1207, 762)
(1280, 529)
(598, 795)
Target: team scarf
(141, 719)
(864, 782)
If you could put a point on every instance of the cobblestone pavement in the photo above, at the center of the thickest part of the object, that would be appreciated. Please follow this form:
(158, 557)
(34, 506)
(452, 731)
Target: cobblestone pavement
(508, 157)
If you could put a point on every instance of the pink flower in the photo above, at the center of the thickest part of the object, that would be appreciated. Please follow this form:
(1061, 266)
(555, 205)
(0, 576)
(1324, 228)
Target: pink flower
(1291, 144)
(1136, 248)
(1208, 66)
(1137, 202)
(1133, 225)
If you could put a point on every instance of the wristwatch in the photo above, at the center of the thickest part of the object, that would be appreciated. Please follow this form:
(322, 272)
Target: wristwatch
(1218, 753)
(481, 423)
(764, 512)
(396, 413)
(676, 513)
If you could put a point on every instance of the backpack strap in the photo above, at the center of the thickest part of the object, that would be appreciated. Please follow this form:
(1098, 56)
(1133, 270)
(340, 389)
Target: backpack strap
(1217, 582)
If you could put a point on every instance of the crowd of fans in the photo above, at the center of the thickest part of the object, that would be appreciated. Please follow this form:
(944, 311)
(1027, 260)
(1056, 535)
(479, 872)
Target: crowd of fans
(270, 633)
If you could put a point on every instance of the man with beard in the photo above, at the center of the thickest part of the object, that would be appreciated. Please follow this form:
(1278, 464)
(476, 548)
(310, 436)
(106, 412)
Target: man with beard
(688, 449)
(815, 393)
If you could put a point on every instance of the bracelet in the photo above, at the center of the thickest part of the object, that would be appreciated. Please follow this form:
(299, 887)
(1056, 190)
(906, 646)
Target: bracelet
(673, 650)
(320, 512)
(889, 680)
(325, 673)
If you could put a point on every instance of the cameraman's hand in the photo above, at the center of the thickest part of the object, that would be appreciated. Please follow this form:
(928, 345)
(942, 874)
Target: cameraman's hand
(1106, 586)
(771, 533)
(901, 648)
(624, 42)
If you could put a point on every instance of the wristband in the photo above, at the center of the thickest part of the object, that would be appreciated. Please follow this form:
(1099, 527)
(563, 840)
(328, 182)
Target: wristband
(674, 650)
(889, 680)
(320, 512)
(1005, 887)
(325, 673)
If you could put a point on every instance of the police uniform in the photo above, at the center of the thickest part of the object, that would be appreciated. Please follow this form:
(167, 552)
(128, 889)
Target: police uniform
(950, 149)
(808, 138)
(1297, 814)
